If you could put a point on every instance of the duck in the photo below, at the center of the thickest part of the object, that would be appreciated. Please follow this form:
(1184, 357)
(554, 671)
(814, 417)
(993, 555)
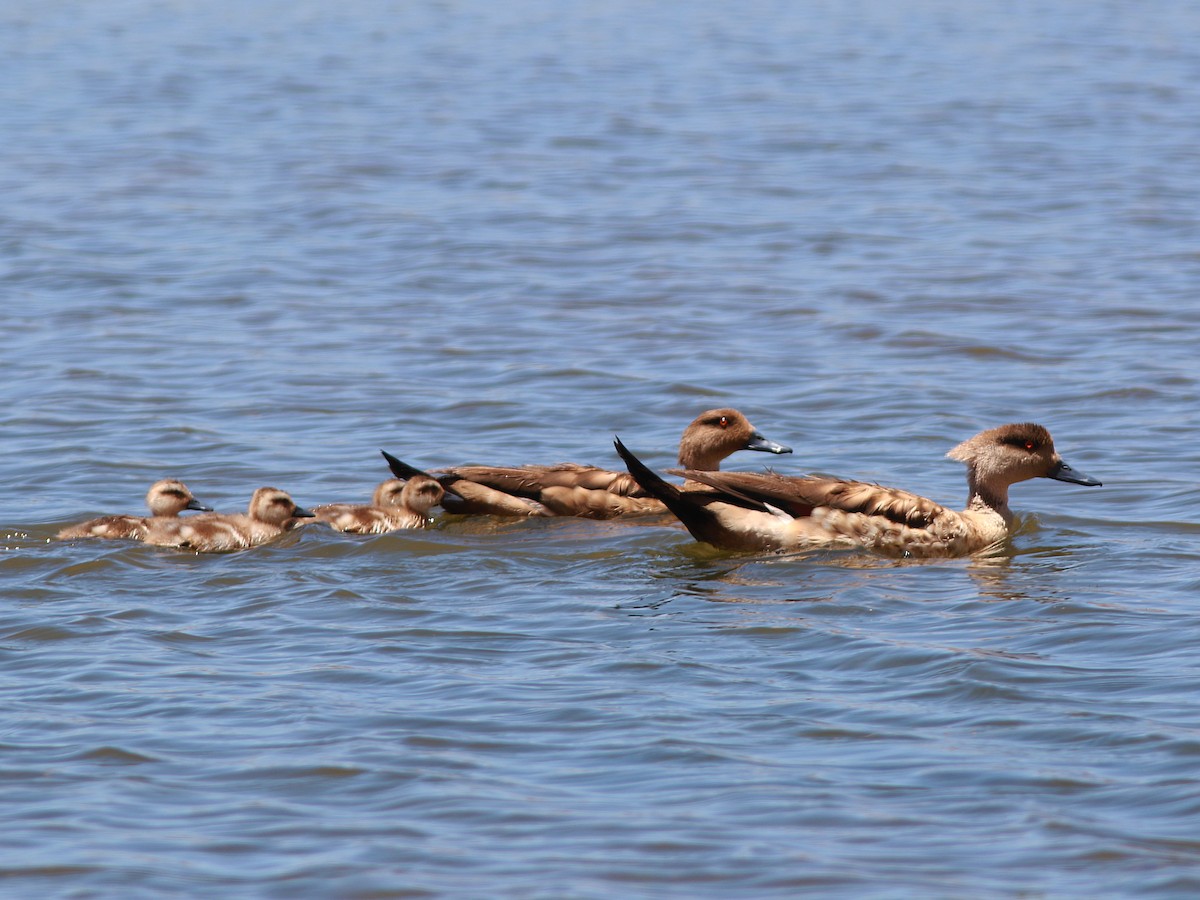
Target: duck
(585, 491)
(166, 499)
(397, 504)
(271, 513)
(756, 512)
(464, 497)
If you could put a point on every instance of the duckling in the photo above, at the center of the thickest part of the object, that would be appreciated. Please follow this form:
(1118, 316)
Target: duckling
(745, 511)
(397, 504)
(166, 499)
(270, 514)
(570, 489)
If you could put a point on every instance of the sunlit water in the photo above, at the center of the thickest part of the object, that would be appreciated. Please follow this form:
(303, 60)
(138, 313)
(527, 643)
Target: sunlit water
(248, 244)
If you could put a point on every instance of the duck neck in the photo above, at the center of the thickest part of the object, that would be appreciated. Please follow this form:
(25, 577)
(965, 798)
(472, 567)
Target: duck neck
(982, 495)
(700, 459)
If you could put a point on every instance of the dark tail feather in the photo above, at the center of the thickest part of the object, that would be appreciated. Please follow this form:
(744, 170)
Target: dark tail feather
(647, 478)
(700, 511)
(688, 509)
(403, 470)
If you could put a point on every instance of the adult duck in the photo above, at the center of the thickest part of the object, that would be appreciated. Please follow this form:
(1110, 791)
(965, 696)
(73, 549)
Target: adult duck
(744, 511)
(570, 489)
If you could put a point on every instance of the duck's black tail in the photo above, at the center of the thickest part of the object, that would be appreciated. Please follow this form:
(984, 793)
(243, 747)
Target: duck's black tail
(404, 471)
(711, 514)
(689, 507)
(649, 480)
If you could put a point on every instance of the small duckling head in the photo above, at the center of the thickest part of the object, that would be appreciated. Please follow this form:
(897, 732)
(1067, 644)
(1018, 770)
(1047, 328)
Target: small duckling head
(715, 434)
(389, 493)
(170, 497)
(419, 493)
(275, 507)
(422, 493)
(1002, 456)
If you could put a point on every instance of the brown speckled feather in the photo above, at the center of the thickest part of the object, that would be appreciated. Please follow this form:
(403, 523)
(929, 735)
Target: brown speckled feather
(800, 496)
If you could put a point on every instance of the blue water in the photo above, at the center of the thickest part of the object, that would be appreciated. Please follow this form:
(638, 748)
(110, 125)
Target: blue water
(249, 244)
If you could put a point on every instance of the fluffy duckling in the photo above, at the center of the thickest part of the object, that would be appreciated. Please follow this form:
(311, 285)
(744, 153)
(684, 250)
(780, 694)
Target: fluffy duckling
(743, 511)
(397, 505)
(570, 489)
(271, 513)
(166, 500)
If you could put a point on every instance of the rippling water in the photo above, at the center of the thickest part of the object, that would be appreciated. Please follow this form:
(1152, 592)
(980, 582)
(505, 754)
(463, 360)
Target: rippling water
(248, 244)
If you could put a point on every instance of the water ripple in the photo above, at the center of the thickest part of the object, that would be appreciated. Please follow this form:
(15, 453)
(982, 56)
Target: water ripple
(253, 244)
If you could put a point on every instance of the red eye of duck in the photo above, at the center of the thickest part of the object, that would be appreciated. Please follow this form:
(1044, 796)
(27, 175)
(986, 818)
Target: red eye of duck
(724, 423)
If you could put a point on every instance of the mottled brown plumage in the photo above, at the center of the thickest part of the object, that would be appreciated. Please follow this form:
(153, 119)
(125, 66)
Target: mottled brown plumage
(570, 489)
(166, 499)
(396, 505)
(270, 514)
(745, 511)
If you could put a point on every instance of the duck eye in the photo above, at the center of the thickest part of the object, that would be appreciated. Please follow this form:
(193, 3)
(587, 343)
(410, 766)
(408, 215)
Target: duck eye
(724, 423)
(1029, 445)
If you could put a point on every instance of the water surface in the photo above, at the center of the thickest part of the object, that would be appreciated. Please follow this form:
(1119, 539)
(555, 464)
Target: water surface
(248, 244)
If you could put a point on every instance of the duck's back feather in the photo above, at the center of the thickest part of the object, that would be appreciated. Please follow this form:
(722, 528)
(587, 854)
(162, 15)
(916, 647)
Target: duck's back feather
(529, 481)
(799, 496)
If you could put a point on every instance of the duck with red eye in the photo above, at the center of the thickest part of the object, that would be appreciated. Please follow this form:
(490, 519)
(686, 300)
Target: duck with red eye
(746, 511)
(570, 489)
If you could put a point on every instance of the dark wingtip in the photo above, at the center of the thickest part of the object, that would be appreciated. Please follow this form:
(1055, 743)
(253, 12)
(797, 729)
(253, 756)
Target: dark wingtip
(649, 480)
(400, 468)
(403, 470)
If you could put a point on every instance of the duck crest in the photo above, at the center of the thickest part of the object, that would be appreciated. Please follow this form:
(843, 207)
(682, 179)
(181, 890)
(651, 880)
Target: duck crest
(1023, 435)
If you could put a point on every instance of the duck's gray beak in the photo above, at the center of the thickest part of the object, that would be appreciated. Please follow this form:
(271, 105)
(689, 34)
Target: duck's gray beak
(758, 442)
(301, 513)
(198, 506)
(1063, 472)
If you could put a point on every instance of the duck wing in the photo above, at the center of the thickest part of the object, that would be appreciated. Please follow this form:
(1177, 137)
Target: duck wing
(799, 496)
(529, 481)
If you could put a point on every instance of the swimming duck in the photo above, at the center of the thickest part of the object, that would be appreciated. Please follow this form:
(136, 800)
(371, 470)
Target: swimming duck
(270, 514)
(468, 498)
(570, 489)
(744, 511)
(397, 504)
(166, 499)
